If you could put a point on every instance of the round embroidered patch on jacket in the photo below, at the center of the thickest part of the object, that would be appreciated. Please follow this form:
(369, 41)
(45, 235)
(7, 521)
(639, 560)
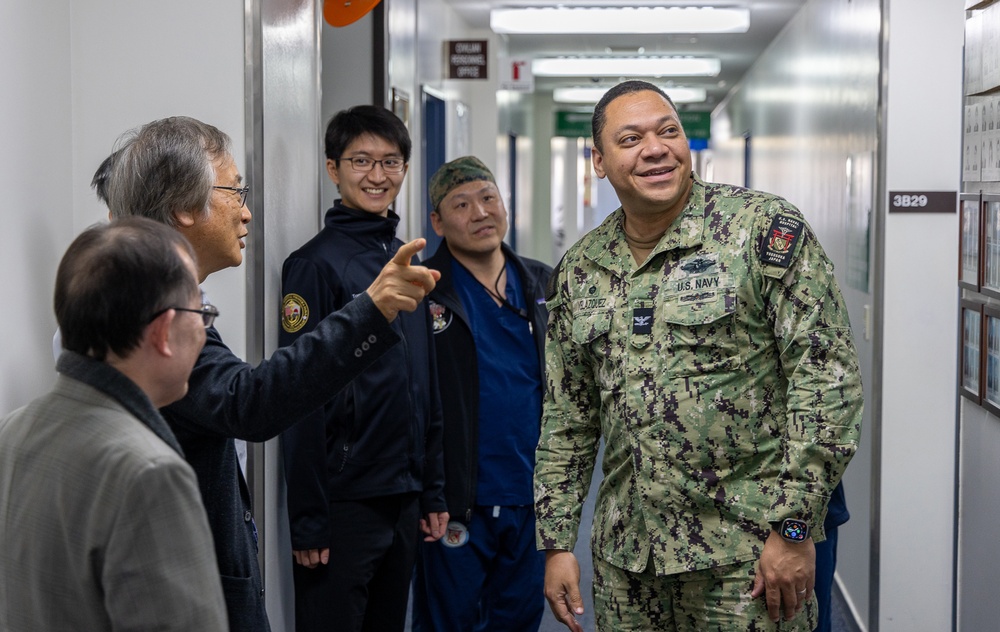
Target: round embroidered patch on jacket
(294, 313)
(440, 316)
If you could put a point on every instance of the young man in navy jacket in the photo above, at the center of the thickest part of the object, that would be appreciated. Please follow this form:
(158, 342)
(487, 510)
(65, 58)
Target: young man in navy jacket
(364, 472)
(489, 329)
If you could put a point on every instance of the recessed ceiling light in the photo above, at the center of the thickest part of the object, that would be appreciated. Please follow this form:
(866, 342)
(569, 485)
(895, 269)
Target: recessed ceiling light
(625, 20)
(625, 66)
(678, 94)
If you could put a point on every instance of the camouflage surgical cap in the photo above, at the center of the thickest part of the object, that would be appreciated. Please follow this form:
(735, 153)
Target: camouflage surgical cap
(454, 174)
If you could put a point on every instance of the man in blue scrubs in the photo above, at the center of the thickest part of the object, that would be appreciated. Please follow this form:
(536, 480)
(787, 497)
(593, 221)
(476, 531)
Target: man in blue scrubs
(489, 321)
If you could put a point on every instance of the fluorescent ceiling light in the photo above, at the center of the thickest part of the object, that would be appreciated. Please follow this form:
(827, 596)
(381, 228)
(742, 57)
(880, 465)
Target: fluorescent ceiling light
(625, 20)
(626, 66)
(593, 95)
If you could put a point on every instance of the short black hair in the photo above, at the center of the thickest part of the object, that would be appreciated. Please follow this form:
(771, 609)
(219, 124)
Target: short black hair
(623, 88)
(114, 278)
(349, 124)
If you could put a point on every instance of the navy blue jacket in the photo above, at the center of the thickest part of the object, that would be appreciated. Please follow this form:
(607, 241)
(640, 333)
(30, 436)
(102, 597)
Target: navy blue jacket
(459, 370)
(382, 435)
(228, 398)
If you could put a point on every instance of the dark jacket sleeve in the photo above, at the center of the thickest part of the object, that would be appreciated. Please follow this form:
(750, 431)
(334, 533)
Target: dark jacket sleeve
(230, 398)
(432, 498)
(541, 274)
(304, 445)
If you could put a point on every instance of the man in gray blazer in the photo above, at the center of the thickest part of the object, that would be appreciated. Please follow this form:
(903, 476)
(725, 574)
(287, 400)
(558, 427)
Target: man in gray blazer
(101, 522)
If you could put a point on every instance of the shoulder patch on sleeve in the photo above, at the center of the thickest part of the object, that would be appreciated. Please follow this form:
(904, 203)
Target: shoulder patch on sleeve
(779, 243)
(294, 313)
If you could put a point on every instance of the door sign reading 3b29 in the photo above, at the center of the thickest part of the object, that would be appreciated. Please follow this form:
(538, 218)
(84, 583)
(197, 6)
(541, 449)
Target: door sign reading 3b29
(922, 201)
(902, 199)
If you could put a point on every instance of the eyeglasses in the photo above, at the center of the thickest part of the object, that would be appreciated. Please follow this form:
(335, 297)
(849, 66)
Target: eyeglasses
(241, 191)
(208, 313)
(364, 164)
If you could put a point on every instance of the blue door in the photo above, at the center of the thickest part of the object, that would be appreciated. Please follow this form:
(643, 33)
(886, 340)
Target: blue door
(434, 143)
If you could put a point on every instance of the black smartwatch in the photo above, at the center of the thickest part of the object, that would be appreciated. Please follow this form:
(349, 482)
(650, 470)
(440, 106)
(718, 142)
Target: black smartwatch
(792, 530)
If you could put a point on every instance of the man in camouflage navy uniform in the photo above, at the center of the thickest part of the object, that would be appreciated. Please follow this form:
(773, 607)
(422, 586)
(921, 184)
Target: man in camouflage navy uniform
(700, 331)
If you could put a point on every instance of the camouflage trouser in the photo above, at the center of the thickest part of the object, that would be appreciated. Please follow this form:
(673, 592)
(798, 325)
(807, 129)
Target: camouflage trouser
(712, 600)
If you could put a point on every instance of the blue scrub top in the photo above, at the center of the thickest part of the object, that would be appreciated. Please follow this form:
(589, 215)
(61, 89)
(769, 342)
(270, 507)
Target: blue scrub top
(510, 389)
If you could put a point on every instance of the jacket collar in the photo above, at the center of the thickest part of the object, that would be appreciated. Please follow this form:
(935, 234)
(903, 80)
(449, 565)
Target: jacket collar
(444, 290)
(442, 258)
(345, 218)
(108, 380)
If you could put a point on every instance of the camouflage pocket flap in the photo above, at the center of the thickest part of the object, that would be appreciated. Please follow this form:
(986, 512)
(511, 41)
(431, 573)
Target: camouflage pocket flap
(587, 326)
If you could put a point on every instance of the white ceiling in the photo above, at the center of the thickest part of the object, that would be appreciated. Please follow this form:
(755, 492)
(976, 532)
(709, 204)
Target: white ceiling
(737, 51)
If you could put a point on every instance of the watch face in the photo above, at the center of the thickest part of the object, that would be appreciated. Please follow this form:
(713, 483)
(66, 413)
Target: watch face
(794, 530)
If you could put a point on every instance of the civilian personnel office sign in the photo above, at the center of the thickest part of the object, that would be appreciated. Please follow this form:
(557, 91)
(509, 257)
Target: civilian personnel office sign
(467, 59)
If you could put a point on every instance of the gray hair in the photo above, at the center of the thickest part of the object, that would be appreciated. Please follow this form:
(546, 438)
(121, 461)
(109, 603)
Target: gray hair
(165, 167)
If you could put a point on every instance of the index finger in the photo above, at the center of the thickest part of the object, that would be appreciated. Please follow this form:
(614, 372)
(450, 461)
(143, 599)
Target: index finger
(408, 250)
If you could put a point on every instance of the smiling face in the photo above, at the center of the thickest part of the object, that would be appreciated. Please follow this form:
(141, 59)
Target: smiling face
(645, 155)
(369, 191)
(472, 218)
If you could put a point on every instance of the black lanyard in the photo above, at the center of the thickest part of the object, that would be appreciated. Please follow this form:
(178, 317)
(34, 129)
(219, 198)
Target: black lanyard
(495, 292)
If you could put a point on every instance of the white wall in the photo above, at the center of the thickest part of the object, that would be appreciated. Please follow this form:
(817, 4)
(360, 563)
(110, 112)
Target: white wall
(133, 62)
(36, 222)
(78, 75)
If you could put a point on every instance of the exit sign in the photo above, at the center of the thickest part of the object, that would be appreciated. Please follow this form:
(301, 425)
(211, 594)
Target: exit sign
(573, 123)
(697, 125)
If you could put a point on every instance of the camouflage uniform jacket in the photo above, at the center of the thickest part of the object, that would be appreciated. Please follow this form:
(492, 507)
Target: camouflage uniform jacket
(721, 373)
